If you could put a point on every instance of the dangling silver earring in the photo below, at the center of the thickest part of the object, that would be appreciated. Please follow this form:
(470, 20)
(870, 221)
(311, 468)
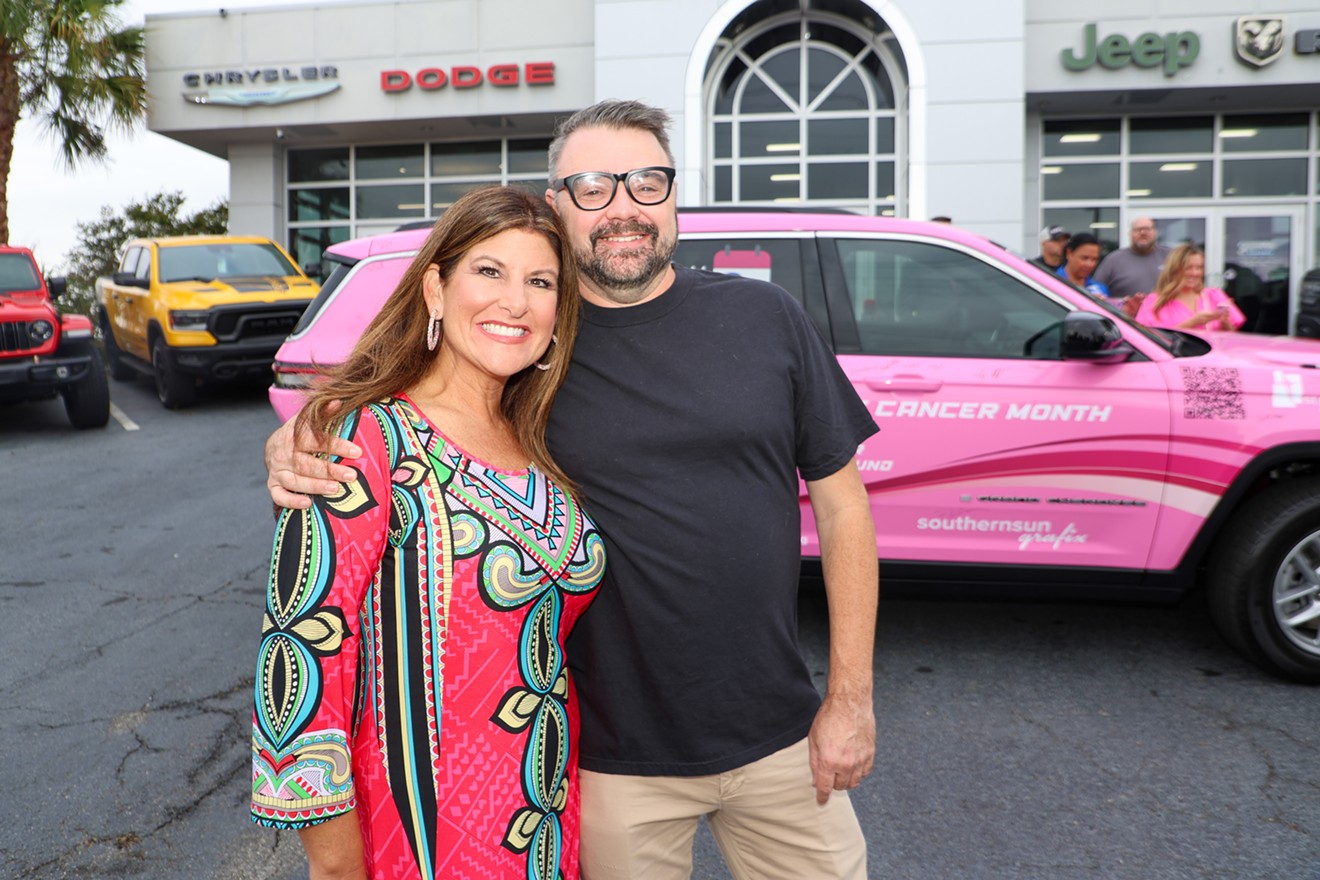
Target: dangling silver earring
(554, 340)
(433, 331)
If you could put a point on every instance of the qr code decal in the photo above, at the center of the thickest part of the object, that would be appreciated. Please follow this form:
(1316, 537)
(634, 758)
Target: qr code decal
(1212, 393)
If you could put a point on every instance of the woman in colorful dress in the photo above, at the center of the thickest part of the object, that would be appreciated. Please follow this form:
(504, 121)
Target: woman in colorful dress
(414, 717)
(1181, 301)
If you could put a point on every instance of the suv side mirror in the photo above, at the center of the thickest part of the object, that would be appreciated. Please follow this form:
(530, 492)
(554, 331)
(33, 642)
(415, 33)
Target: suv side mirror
(57, 285)
(1081, 336)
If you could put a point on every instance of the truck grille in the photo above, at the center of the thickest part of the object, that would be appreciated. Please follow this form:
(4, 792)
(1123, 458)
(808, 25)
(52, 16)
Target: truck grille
(14, 336)
(238, 324)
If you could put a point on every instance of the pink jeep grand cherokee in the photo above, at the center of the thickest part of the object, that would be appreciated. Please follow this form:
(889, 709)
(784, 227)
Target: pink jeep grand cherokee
(1032, 442)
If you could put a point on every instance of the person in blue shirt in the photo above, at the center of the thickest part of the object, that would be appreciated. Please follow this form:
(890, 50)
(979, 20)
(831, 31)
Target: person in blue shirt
(1080, 257)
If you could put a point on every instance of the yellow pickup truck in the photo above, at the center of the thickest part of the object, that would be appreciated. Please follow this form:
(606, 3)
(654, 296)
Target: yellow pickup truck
(196, 307)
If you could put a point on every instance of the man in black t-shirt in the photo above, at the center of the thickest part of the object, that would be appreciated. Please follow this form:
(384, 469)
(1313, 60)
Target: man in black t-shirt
(693, 403)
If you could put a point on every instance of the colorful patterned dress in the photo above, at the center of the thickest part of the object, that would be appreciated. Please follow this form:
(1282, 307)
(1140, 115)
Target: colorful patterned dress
(411, 664)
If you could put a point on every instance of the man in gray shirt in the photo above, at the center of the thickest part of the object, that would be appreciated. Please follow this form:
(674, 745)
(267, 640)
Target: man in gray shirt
(1136, 268)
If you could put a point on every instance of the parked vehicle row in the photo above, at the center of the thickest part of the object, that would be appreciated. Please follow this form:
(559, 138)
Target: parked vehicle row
(185, 308)
(44, 354)
(1032, 441)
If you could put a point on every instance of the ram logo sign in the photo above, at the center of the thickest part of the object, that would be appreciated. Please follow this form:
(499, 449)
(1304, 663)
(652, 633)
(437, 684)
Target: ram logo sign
(1258, 40)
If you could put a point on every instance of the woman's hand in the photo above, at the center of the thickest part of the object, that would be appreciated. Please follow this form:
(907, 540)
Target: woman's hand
(1205, 317)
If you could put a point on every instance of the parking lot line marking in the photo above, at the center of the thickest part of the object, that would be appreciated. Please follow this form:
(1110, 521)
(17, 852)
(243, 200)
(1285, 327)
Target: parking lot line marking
(121, 418)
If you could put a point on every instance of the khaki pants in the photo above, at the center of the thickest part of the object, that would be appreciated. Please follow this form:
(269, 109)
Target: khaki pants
(764, 817)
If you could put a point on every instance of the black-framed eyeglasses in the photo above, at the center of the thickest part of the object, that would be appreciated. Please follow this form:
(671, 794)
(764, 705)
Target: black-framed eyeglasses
(593, 190)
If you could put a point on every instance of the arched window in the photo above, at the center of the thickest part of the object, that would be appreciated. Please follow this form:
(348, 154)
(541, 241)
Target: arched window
(807, 108)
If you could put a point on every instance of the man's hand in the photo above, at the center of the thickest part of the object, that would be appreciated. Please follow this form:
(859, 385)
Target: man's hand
(296, 467)
(842, 737)
(842, 742)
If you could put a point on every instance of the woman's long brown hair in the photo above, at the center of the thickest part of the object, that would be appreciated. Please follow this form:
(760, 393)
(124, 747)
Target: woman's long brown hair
(1171, 276)
(392, 356)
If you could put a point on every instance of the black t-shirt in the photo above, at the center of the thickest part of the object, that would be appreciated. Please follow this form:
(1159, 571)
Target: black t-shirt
(685, 420)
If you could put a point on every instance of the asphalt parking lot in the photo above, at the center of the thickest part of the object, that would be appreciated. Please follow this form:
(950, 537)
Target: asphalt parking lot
(1015, 740)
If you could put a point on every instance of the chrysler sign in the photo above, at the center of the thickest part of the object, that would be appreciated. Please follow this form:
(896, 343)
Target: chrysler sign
(260, 86)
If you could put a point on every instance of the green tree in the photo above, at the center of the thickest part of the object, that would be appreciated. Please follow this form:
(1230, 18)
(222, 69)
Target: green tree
(97, 249)
(72, 67)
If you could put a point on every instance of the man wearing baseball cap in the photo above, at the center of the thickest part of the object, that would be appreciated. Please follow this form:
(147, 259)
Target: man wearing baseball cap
(1052, 240)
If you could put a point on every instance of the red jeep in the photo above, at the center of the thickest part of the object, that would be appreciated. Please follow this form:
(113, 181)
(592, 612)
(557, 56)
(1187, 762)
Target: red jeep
(44, 353)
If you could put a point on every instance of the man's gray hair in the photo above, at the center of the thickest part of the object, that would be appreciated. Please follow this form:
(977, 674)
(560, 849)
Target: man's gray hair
(614, 114)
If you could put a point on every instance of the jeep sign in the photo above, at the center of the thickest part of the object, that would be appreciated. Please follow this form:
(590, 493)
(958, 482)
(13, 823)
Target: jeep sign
(1171, 50)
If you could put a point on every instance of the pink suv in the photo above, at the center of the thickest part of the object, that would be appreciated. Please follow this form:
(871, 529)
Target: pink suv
(1032, 442)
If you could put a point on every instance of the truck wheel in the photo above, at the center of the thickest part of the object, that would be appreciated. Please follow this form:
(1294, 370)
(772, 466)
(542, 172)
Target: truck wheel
(176, 390)
(120, 370)
(1264, 580)
(88, 401)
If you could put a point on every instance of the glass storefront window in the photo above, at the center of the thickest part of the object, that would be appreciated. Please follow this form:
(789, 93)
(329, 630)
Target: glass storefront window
(372, 200)
(758, 98)
(529, 157)
(1173, 231)
(306, 244)
(1177, 136)
(805, 108)
(849, 95)
(723, 140)
(884, 135)
(322, 203)
(884, 181)
(782, 67)
(763, 183)
(828, 137)
(1067, 182)
(836, 180)
(467, 159)
(403, 200)
(1170, 180)
(779, 138)
(314, 166)
(822, 68)
(728, 85)
(389, 162)
(723, 183)
(445, 194)
(1264, 131)
(1084, 137)
(1264, 177)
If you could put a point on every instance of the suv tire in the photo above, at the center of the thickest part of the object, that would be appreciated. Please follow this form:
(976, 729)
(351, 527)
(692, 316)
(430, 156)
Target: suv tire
(88, 401)
(1271, 549)
(176, 390)
(120, 369)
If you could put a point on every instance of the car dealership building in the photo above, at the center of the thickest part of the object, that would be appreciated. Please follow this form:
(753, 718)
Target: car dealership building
(343, 119)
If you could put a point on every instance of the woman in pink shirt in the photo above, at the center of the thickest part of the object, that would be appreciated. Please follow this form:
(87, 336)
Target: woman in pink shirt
(1181, 301)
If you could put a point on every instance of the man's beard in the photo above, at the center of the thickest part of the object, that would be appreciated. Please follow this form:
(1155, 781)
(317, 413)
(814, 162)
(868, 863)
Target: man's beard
(624, 278)
(1144, 249)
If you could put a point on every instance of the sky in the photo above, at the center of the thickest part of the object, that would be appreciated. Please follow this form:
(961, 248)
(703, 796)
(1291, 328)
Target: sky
(47, 200)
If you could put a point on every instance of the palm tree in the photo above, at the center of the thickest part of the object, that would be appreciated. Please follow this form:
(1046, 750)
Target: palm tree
(68, 64)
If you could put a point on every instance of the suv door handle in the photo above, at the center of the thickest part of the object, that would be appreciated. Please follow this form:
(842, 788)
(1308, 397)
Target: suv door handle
(904, 383)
